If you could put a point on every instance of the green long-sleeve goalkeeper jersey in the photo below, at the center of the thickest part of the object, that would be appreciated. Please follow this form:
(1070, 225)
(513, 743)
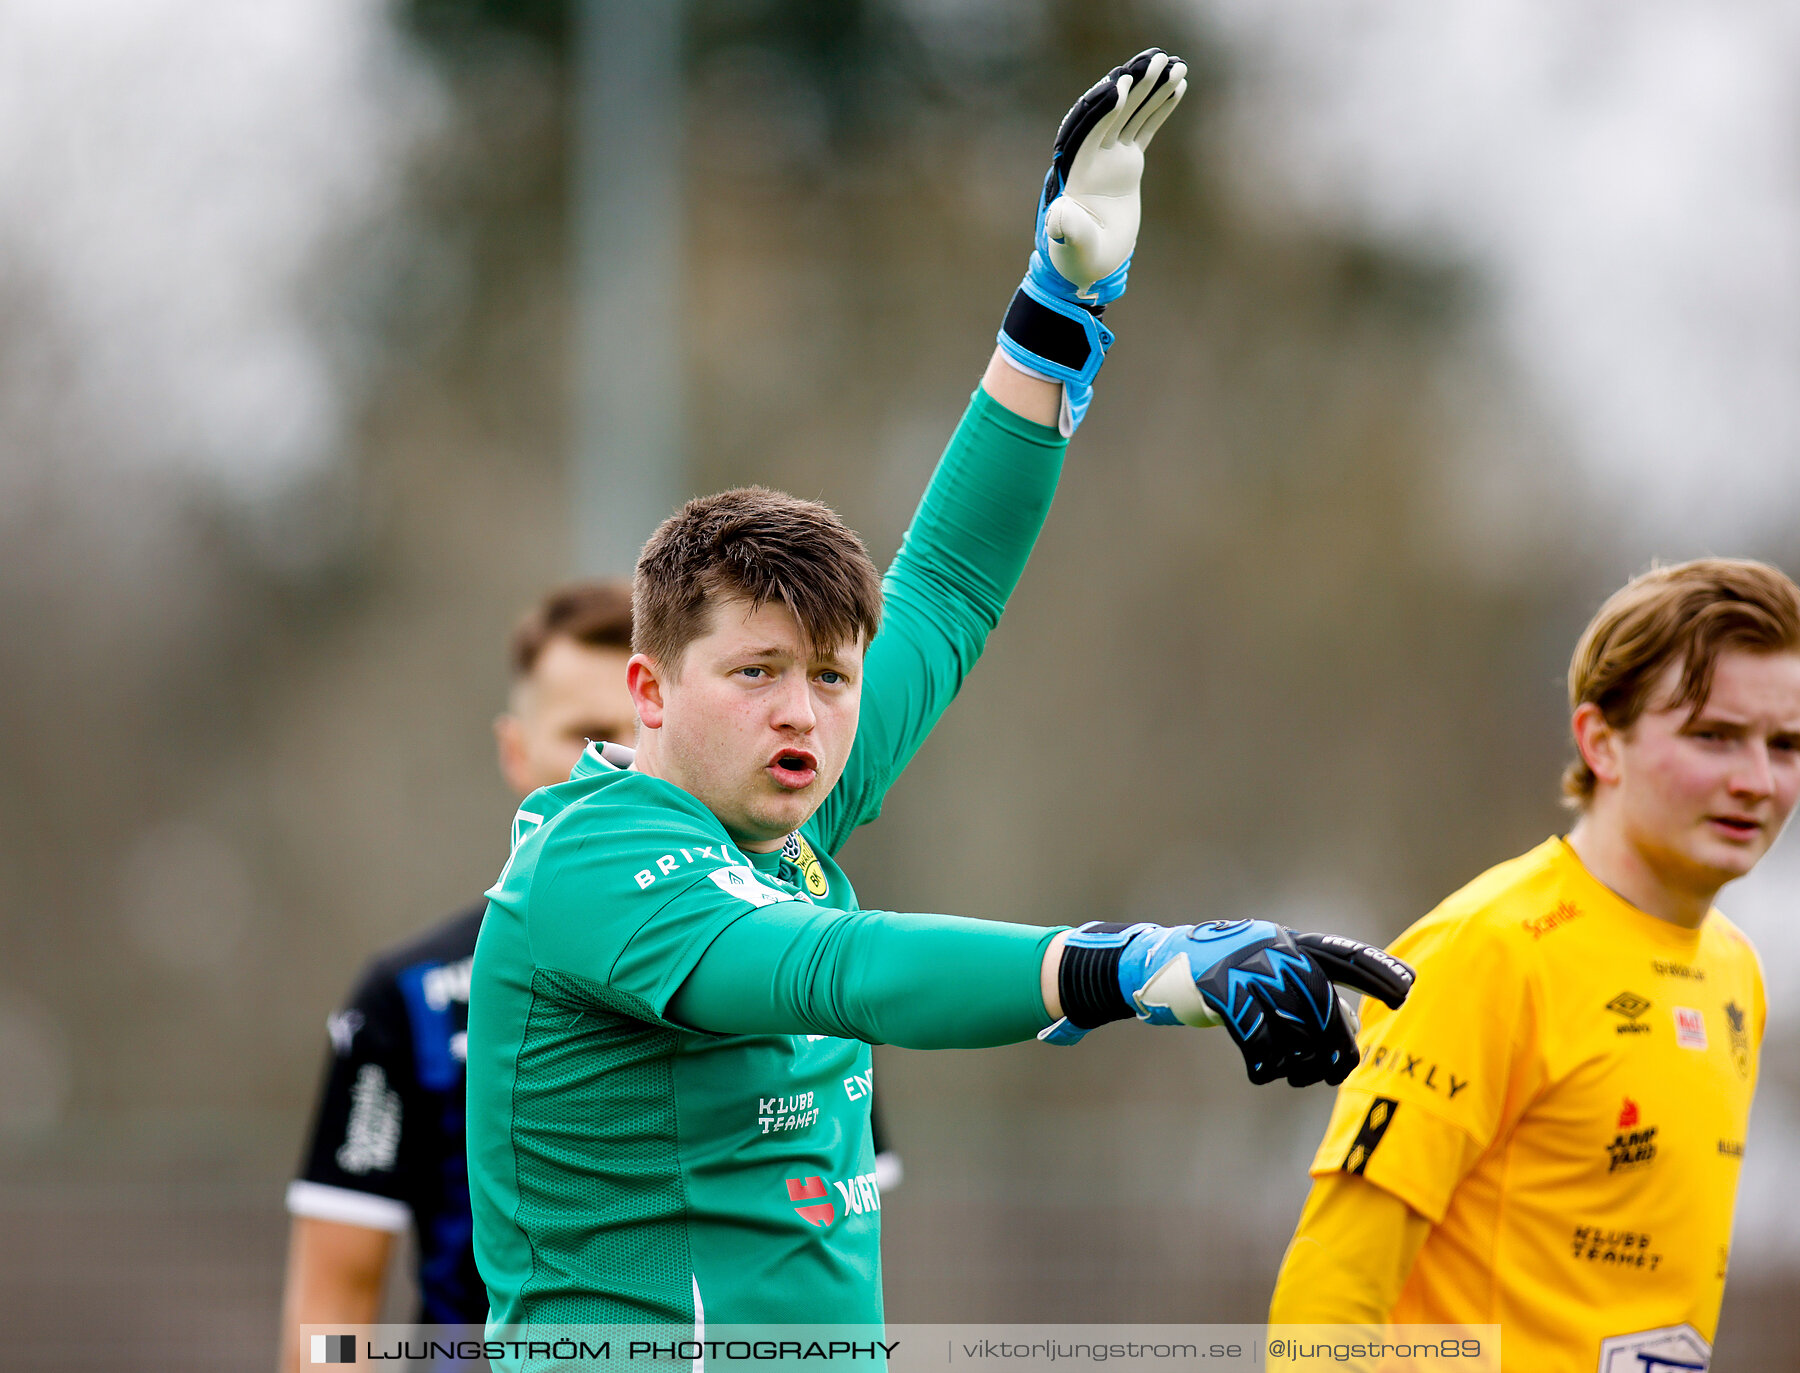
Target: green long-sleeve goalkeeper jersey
(627, 1167)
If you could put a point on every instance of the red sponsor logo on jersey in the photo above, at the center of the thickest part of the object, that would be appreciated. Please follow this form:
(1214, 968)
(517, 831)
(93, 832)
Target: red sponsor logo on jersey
(1634, 1143)
(1690, 1028)
(820, 1213)
(1539, 926)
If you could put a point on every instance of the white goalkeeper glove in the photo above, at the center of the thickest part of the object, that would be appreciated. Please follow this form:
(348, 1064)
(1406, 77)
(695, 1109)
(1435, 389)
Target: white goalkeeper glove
(1087, 227)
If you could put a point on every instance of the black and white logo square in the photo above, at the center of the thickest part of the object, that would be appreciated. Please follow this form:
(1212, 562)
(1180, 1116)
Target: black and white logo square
(334, 1349)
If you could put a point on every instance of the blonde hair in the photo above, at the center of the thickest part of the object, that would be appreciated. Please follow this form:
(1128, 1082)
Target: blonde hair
(1691, 613)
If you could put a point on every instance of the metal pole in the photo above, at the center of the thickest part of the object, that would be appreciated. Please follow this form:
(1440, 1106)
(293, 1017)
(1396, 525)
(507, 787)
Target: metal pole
(628, 470)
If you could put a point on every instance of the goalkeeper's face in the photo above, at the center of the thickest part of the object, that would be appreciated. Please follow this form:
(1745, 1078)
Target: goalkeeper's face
(757, 724)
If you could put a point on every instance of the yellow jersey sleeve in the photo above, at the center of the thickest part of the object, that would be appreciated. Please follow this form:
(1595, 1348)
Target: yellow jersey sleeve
(1349, 1256)
(1446, 1074)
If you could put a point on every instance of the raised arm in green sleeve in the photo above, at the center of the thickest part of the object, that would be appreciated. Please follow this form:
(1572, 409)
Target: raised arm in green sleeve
(919, 981)
(959, 562)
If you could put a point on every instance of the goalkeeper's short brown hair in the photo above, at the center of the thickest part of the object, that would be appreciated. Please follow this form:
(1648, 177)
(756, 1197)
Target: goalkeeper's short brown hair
(761, 547)
(1688, 613)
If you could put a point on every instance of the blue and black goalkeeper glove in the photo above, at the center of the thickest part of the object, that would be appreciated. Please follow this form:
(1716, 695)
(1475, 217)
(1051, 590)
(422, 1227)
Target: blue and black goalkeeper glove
(1087, 227)
(1270, 988)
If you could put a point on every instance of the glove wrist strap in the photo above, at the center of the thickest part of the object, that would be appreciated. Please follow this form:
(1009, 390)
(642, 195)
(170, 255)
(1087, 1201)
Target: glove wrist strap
(1088, 984)
(1056, 339)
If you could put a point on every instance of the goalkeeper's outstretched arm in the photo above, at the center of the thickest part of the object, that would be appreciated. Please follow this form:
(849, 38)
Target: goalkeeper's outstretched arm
(941, 982)
(967, 546)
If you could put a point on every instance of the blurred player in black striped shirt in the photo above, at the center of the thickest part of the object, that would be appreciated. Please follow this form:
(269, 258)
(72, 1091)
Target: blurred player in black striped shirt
(386, 1150)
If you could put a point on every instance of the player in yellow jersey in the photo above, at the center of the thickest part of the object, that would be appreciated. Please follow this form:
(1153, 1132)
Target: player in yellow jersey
(1548, 1134)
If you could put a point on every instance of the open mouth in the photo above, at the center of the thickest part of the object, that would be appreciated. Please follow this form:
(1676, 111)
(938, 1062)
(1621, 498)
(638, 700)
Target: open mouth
(1735, 825)
(793, 768)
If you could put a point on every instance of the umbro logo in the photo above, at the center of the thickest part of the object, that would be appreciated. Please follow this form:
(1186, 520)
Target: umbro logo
(1629, 1006)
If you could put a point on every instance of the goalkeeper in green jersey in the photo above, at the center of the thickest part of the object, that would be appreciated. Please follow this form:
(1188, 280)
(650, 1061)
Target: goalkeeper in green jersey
(675, 990)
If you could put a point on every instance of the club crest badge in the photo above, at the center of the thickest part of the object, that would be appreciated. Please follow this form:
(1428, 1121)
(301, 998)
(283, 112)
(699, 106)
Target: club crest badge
(797, 851)
(1740, 1038)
